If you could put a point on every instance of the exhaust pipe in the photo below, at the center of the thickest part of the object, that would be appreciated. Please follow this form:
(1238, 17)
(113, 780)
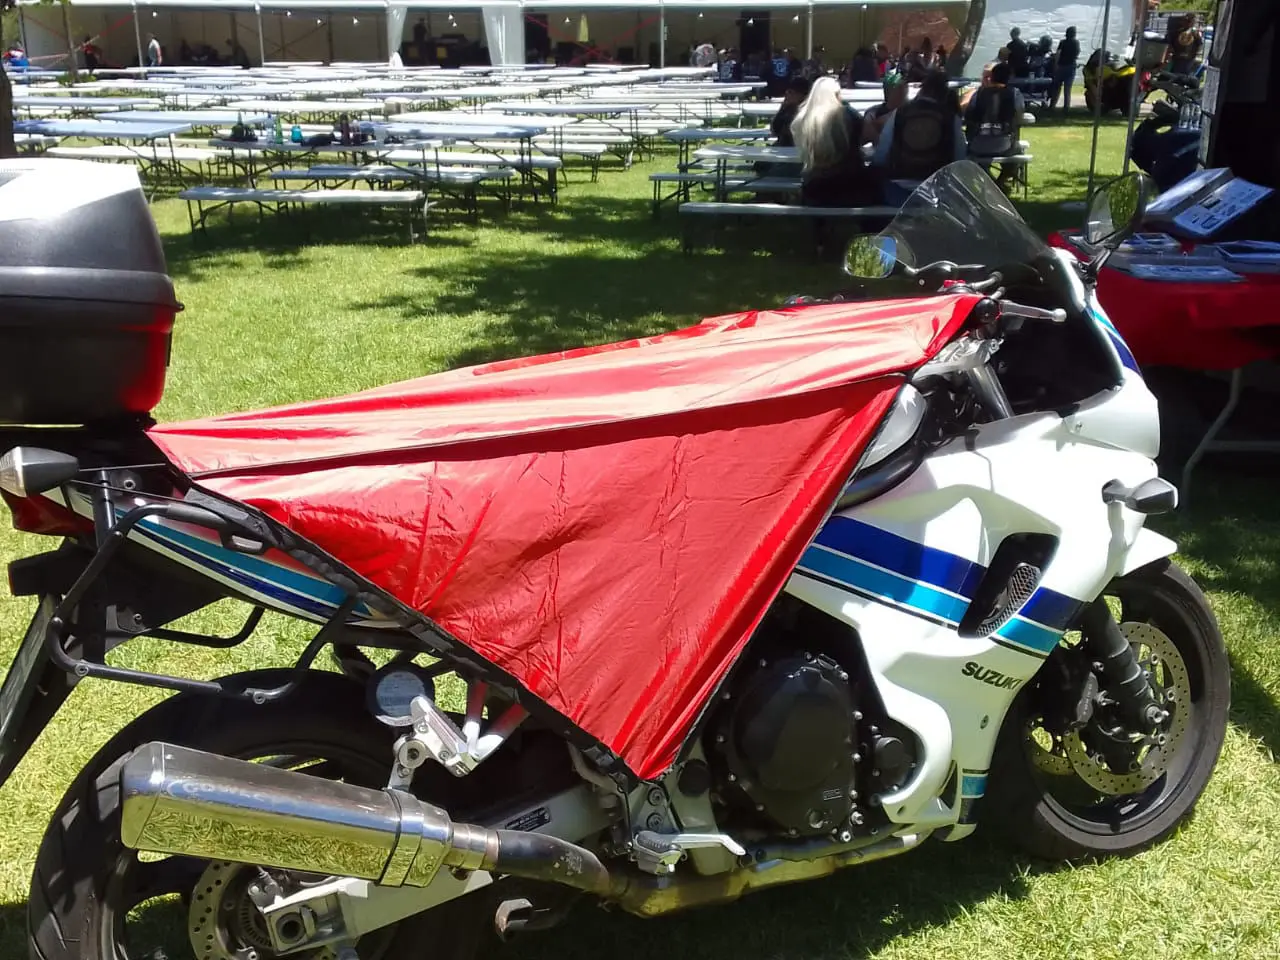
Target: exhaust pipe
(181, 801)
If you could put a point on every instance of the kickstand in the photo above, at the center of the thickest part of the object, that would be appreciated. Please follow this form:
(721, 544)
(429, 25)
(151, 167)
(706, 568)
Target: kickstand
(521, 916)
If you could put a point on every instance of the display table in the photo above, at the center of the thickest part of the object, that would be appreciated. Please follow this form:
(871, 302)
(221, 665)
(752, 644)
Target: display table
(1196, 326)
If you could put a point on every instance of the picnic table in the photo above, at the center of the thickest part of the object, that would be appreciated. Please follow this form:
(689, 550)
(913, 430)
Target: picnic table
(724, 154)
(105, 130)
(313, 109)
(75, 106)
(685, 137)
(146, 144)
(196, 118)
(253, 159)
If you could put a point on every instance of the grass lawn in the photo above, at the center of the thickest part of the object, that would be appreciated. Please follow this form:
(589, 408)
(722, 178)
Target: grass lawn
(270, 321)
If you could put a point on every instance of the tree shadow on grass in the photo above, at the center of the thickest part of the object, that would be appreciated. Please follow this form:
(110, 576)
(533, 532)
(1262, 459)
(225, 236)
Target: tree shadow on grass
(854, 913)
(1232, 528)
(284, 240)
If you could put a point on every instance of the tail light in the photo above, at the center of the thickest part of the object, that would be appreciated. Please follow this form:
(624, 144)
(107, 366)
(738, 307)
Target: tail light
(41, 515)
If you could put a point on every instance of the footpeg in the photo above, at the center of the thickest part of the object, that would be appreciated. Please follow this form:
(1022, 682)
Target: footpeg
(521, 916)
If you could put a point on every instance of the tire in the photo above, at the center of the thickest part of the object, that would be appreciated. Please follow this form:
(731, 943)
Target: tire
(1090, 98)
(79, 883)
(1033, 818)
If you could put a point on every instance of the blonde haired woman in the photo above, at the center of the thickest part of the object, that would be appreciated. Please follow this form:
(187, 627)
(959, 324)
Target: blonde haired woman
(828, 137)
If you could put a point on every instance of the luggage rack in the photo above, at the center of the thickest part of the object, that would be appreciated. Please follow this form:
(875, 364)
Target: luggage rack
(242, 540)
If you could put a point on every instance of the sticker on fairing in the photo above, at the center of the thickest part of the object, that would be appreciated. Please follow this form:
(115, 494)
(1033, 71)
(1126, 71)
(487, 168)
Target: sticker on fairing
(1122, 349)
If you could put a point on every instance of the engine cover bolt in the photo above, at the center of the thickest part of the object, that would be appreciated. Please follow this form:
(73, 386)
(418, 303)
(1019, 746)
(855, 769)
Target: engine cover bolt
(655, 797)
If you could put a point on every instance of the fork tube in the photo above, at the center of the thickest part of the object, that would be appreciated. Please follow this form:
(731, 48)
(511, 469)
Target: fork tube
(987, 386)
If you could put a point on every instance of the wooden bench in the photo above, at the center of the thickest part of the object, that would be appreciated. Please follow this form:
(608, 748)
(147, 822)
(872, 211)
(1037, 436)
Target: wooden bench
(207, 199)
(721, 211)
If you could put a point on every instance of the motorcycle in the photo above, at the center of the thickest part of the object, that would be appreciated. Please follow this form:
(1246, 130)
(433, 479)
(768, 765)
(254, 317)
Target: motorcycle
(1115, 85)
(658, 624)
(1166, 144)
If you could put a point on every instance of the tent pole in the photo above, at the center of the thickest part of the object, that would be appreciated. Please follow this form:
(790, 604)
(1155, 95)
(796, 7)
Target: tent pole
(662, 36)
(262, 44)
(1097, 98)
(808, 34)
(22, 29)
(137, 36)
(71, 44)
(1133, 95)
(329, 31)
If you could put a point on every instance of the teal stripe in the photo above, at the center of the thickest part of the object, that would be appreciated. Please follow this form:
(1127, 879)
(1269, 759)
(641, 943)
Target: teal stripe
(973, 785)
(1033, 636)
(309, 587)
(879, 583)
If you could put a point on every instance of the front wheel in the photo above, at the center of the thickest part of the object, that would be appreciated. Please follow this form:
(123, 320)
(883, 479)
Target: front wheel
(1069, 781)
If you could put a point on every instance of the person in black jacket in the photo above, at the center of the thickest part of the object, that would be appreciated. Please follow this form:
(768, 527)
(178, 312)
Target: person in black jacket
(1019, 57)
(792, 100)
(1064, 70)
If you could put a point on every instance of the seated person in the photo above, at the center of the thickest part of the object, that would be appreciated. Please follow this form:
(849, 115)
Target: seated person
(828, 138)
(863, 67)
(922, 136)
(895, 95)
(796, 92)
(994, 115)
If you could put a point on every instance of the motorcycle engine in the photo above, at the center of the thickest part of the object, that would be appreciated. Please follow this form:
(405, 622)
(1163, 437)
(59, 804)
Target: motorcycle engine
(788, 738)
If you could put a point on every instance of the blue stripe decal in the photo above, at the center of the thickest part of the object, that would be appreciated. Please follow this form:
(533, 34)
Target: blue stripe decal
(897, 589)
(1030, 635)
(311, 587)
(912, 560)
(924, 580)
(1122, 348)
(266, 588)
(1052, 609)
(973, 784)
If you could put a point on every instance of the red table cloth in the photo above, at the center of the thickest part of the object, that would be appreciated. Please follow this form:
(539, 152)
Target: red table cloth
(1196, 326)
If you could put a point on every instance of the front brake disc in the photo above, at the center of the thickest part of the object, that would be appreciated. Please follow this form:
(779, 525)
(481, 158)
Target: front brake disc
(1169, 682)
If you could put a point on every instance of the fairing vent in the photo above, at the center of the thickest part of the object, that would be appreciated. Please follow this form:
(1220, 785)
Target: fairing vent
(1009, 582)
(1021, 585)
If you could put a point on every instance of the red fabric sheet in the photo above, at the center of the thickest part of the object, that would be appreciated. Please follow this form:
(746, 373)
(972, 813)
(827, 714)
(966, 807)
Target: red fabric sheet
(607, 525)
(1196, 326)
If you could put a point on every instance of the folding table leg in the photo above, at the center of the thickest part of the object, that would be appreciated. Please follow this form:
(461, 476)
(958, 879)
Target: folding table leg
(1233, 400)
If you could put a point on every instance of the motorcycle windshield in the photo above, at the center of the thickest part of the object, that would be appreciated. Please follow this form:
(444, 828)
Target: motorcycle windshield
(960, 214)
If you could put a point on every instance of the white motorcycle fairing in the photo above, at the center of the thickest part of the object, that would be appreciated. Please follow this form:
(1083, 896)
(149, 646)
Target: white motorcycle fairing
(902, 570)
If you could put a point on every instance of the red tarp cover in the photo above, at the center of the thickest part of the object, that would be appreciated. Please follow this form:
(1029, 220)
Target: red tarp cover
(607, 525)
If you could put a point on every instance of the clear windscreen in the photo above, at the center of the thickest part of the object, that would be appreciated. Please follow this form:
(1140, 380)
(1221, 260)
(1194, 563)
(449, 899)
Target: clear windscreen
(959, 214)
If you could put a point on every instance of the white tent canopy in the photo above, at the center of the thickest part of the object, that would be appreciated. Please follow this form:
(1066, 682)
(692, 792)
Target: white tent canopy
(279, 24)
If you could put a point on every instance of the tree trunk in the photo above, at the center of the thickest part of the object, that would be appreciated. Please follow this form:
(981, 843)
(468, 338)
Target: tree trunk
(7, 147)
(959, 58)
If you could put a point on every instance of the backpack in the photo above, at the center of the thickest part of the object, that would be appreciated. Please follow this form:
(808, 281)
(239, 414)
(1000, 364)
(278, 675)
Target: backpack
(923, 140)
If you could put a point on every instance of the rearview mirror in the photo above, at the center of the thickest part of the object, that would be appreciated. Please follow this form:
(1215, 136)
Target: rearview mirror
(871, 256)
(1115, 210)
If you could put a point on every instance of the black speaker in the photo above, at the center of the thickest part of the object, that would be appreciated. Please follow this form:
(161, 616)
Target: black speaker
(1241, 127)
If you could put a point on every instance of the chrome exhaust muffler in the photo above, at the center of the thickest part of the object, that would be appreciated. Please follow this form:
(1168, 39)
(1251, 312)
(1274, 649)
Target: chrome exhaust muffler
(181, 801)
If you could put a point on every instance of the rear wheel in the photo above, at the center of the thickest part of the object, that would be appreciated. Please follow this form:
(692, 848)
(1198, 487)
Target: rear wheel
(92, 898)
(1069, 781)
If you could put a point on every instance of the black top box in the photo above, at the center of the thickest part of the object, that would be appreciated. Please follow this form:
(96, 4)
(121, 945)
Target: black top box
(86, 305)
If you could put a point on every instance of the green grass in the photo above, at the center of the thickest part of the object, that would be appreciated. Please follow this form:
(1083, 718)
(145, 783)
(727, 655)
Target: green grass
(269, 321)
